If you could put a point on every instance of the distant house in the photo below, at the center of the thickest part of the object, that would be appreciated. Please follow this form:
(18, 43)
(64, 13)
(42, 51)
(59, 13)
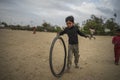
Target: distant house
(2, 26)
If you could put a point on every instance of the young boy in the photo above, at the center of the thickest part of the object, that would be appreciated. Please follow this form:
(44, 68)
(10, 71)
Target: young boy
(34, 30)
(72, 32)
(92, 31)
(116, 42)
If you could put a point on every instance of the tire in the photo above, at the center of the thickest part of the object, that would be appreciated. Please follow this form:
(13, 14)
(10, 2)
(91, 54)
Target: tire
(50, 57)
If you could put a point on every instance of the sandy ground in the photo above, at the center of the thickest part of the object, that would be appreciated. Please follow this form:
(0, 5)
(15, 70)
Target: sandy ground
(25, 56)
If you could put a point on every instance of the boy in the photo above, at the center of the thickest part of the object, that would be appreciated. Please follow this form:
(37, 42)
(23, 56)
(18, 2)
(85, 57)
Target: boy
(72, 32)
(92, 31)
(116, 42)
(34, 30)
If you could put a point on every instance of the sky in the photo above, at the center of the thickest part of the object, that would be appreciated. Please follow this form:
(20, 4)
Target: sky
(35, 12)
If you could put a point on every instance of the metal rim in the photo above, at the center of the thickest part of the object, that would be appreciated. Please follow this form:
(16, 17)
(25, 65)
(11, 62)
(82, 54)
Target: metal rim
(50, 57)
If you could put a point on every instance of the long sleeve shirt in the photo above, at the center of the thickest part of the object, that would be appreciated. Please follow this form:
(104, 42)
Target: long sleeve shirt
(116, 41)
(72, 34)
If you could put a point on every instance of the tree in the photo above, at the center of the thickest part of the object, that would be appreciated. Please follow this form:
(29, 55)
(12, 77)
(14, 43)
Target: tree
(45, 25)
(112, 25)
(5, 24)
(77, 25)
(57, 28)
(95, 23)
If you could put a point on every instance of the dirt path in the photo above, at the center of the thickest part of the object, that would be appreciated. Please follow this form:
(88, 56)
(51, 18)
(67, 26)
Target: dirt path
(25, 56)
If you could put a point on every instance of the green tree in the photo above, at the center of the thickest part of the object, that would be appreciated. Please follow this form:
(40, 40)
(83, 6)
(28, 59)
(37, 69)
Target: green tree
(77, 25)
(57, 28)
(112, 25)
(45, 24)
(5, 24)
(96, 23)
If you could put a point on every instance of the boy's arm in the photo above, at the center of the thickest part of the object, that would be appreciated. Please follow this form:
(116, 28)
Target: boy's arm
(115, 40)
(62, 32)
(81, 34)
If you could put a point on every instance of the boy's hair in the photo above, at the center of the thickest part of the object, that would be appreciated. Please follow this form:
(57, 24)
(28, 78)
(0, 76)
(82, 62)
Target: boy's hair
(69, 18)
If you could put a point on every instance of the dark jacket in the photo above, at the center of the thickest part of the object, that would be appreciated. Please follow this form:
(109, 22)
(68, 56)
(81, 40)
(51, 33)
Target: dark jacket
(72, 34)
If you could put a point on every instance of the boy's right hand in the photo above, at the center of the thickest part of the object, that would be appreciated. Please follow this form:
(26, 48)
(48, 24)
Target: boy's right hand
(86, 36)
(58, 34)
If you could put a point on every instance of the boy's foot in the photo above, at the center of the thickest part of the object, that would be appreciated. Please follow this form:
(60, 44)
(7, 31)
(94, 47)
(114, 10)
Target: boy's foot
(76, 66)
(68, 68)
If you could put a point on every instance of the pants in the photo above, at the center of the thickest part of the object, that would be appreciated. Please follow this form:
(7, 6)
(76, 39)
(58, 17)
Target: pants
(117, 54)
(73, 50)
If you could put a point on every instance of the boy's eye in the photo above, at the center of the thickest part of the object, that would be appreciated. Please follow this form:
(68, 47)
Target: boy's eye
(68, 23)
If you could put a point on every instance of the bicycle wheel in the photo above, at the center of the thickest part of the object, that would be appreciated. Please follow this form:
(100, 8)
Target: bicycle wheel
(60, 73)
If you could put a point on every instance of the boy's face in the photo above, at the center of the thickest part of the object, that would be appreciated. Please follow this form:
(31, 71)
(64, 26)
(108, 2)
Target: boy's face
(69, 24)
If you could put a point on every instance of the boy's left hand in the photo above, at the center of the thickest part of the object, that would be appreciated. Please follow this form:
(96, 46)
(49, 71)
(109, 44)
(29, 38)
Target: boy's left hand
(86, 36)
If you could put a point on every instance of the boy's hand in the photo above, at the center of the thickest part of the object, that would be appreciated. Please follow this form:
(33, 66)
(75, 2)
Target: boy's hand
(86, 36)
(58, 34)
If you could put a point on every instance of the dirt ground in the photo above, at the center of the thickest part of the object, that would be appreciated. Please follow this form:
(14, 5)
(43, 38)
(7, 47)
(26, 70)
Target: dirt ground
(25, 56)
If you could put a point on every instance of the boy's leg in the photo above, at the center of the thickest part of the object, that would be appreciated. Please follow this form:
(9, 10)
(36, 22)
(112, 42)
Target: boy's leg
(117, 56)
(70, 52)
(90, 36)
(76, 55)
